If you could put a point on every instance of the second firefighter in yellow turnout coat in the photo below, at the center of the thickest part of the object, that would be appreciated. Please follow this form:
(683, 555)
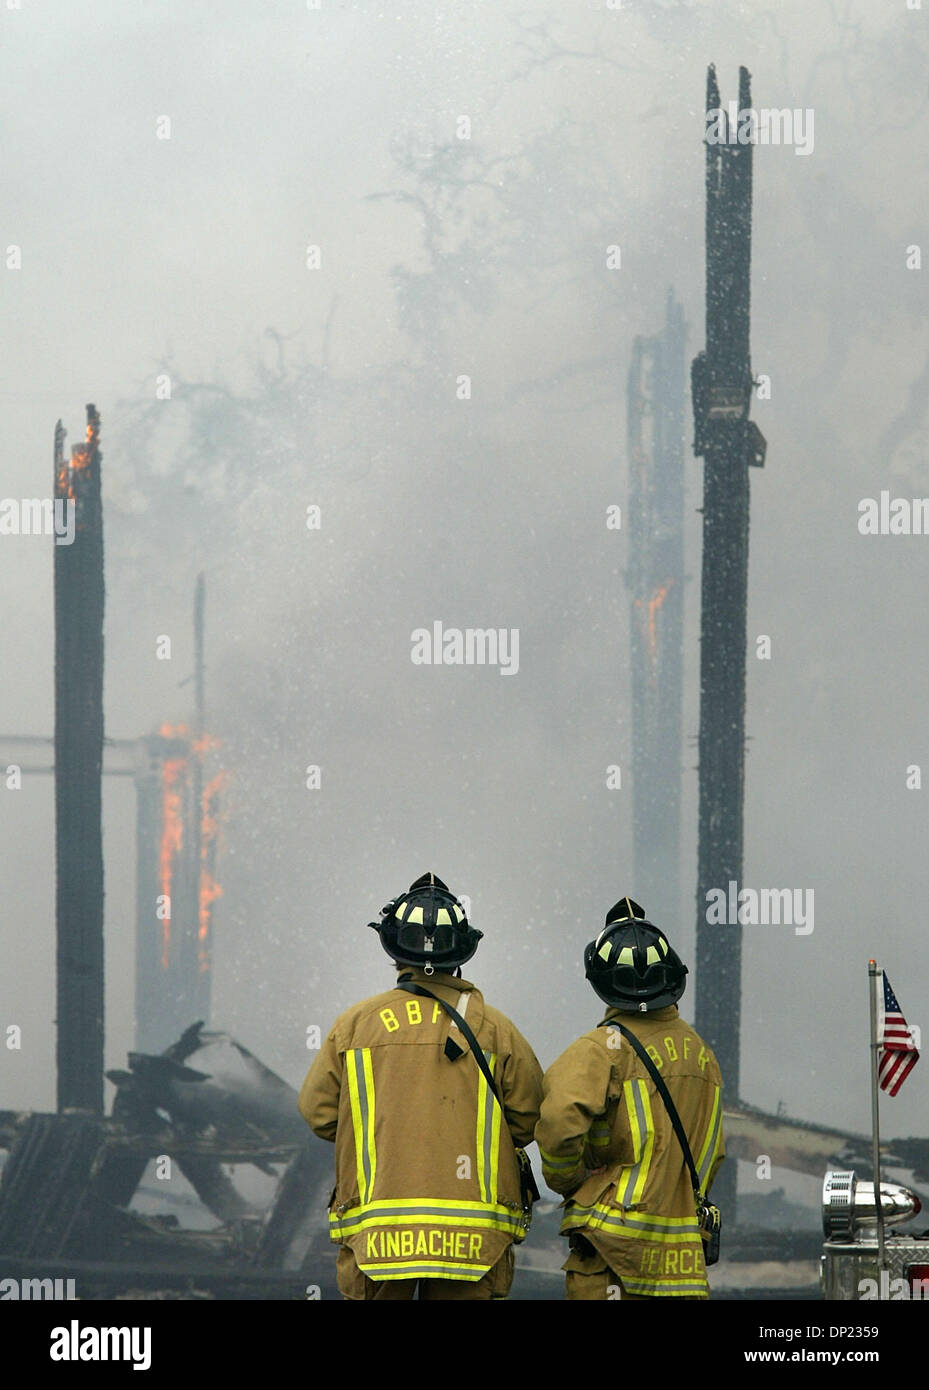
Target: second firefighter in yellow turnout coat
(606, 1138)
(427, 1174)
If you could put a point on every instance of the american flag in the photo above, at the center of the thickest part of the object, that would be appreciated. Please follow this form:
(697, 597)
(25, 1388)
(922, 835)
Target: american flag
(898, 1054)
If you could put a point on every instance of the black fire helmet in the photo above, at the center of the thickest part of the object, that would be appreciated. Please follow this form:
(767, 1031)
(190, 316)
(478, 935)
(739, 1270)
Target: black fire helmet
(427, 926)
(631, 964)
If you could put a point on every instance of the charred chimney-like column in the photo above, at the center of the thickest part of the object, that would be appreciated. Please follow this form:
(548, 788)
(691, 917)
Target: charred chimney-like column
(79, 602)
(730, 443)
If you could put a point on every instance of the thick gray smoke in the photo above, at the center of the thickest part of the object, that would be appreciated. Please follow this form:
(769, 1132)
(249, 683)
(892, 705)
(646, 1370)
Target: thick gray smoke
(369, 250)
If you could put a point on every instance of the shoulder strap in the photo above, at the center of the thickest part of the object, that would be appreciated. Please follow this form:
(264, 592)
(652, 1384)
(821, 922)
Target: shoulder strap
(669, 1103)
(466, 1033)
(527, 1182)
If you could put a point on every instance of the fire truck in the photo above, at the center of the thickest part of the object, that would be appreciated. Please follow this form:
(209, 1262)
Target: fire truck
(851, 1268)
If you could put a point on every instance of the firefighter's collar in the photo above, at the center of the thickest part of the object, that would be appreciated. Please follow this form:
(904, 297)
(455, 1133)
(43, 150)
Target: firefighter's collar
(438, 977)
(659, 1015)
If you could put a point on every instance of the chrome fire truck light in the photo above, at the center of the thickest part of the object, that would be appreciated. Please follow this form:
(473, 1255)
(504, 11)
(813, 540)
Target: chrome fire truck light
(849, 1208)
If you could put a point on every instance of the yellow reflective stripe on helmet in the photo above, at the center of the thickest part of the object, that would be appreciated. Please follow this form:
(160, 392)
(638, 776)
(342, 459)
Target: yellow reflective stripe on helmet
(361, 1097)
(711, 1143)
(631, 1183)
(488, 1134)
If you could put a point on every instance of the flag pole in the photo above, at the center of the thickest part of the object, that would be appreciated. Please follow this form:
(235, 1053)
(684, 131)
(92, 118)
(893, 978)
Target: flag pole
(874, 979)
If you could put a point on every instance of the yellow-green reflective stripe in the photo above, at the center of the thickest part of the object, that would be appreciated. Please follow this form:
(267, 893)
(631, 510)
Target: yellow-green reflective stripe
(358, 1097)
(599, 1217)
(681, 1286)
(549, 1161)
(488, 1134)
(642, 1128)
(711, 1142)
(494, 1222)
(434, 1206)
(659, 1237)
(644, 1218)
(356, 1227)
(647, 1135)
(679, 1232)
(495, 1117)
(641, 1220)
(472, 1214)
(369, 1091)
(627, 1175)
(434, 1268)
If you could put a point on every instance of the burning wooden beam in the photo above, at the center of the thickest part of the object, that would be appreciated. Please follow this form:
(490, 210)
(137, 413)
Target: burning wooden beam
(177, 885)
(79, 605)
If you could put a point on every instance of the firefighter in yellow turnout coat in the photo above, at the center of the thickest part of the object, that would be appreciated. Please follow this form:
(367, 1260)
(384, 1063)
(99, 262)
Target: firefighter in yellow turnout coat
(428, 1186)
(605, 1135)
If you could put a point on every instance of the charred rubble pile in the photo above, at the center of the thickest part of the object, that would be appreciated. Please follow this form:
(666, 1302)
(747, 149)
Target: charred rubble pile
(74, 1201)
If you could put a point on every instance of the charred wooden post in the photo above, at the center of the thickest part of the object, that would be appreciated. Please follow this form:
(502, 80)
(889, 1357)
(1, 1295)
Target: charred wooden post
(655, 432)
(79, 602)
(729, 443)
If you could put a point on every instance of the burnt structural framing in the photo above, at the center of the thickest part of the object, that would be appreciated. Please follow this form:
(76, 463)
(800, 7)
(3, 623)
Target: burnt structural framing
(79, 606)
(729, 443)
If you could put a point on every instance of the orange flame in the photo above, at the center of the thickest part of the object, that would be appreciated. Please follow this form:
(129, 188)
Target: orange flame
(176, 780)
(81, 458)
(654, 603)
(210, 889)
(173, 774)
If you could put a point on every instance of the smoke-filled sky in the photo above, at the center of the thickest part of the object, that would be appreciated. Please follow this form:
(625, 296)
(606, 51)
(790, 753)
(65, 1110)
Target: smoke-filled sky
(462, 171)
